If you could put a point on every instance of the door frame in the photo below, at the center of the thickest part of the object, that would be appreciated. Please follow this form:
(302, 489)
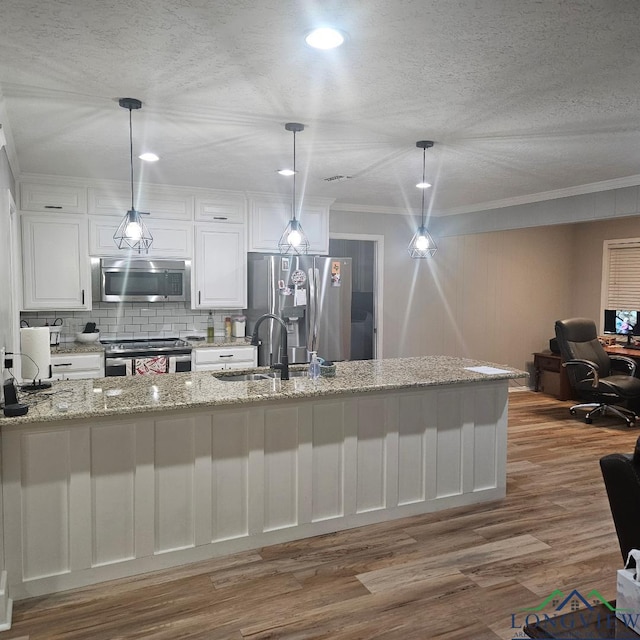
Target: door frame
(378, 282)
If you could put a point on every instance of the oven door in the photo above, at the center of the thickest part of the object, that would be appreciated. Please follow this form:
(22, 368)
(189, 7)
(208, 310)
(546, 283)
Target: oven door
(117, 366)
(179, 363)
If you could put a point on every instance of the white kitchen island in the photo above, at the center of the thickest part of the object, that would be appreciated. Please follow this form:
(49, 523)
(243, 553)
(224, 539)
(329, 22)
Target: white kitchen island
(143, 473)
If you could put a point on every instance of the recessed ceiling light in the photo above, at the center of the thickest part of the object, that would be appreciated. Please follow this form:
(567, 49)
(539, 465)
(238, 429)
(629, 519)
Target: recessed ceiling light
(423, 185)
(324, 38)
(286, 172)
(149, 157)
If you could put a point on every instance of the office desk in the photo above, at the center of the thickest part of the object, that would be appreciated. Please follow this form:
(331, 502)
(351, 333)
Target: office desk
(550, 376)
(623, 351)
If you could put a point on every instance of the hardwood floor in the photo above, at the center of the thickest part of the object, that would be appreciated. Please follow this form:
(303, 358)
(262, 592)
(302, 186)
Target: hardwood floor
(457, 574)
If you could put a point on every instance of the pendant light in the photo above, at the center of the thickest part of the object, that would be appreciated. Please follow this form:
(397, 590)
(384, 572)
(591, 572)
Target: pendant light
(132, 233)
(422, 244)
(293, 240)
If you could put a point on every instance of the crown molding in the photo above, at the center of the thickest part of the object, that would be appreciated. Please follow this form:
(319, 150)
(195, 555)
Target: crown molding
(593, 187)
(579, 190)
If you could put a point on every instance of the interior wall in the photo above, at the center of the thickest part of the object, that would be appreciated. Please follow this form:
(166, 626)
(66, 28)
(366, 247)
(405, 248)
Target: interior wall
(587, 266)
(490, 296)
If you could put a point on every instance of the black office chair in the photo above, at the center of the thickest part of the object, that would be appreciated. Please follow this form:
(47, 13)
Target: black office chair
(621, 473)
(594, 375)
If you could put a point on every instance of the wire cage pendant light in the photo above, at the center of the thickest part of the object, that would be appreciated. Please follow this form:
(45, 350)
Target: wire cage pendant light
(422, 244)
(132, 233)
(293, 239)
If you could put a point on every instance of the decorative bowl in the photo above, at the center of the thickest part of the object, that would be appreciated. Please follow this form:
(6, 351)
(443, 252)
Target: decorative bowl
(87, 337)
(328, 370)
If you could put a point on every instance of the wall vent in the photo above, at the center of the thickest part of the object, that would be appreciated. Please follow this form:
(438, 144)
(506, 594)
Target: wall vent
(337, 178)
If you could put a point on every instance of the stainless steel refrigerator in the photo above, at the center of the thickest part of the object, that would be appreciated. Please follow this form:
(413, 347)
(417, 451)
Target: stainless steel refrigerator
(312, 295)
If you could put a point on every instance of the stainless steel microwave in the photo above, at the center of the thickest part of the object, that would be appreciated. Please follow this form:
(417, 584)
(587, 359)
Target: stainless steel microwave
(125, 280)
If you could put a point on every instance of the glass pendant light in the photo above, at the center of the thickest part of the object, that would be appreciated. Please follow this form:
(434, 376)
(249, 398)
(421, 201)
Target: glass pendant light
(132, 233)
(293, 240)
(422, 244)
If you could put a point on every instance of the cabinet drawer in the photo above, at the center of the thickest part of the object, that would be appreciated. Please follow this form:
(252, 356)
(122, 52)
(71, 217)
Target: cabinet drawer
(53, 198)
(62, 363)
(225, 355)
(548, 364)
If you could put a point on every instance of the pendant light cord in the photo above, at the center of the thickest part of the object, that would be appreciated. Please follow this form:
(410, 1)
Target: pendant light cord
(424, 154)
(131, 157)
(294, 175)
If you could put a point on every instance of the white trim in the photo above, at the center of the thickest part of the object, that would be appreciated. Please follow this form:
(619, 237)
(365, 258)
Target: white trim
(3, 139)
(378, 241)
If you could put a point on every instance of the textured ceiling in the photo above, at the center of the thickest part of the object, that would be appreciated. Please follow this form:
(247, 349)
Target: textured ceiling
(520, 96)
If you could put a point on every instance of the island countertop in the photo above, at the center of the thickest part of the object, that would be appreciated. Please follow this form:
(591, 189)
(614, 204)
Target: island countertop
(82, 399)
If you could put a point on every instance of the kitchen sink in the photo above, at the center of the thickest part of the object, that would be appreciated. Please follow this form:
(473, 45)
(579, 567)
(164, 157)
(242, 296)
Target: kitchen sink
(243, 377)
(251, 377)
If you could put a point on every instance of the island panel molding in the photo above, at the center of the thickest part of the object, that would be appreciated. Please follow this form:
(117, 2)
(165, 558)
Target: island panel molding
(127, 494)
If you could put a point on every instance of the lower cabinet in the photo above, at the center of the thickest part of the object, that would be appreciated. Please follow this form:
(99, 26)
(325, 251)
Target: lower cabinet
(220, 358)
(65, 366)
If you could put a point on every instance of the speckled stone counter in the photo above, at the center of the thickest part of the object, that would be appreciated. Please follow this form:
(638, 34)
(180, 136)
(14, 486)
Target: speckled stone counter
(77, 347)
(136, 394)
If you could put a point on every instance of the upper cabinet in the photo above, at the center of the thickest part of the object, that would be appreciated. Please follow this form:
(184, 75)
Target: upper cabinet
(55, 198)
(55, 259)
(219, 274)
(160, 202)
(170, 239)
(223, 207)
(269, 215)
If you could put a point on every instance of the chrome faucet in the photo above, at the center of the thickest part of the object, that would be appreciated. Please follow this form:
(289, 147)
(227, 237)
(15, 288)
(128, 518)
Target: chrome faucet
(283, 365)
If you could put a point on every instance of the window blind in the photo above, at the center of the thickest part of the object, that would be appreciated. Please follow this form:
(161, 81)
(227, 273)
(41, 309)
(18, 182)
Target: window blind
(623, 280)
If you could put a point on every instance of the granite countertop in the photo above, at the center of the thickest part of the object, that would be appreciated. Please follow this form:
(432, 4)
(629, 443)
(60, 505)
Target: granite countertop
(71, 399)
(96, 347)
(219, 342)
(77, 347)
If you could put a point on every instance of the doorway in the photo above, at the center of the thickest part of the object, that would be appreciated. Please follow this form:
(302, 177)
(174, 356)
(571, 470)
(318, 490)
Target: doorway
(365, 252)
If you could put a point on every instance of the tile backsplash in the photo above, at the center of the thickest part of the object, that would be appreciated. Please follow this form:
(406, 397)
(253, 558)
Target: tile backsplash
(119, 321)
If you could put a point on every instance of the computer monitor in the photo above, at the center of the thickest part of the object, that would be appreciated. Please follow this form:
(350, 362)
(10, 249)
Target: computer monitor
(622, 322)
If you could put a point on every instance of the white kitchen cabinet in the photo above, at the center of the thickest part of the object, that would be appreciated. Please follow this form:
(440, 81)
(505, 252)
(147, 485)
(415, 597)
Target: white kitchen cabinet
(219, 274)
(55, 259)
(75, 366)
(221, 358)
(54, 198)
(223, 207)
(269, 215)
(170, 239)
(161, 202)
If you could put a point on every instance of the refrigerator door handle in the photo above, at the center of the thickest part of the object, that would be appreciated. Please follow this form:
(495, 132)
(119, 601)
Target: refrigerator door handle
(312, 333)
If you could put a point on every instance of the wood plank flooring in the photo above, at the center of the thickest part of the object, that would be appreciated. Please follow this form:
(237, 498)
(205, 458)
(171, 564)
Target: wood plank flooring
(458, 574)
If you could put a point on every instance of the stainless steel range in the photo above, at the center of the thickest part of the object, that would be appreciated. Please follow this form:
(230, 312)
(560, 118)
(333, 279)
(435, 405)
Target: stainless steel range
(153, 355)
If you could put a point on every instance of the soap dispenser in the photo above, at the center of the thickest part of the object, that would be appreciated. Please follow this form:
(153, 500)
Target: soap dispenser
(314, 366)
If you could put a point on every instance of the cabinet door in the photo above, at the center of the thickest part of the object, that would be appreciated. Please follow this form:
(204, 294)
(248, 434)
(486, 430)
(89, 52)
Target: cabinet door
(221, 208)
(170, 239)
(269, 215)
(56, 198)
(219, 278)
(160, 202)
(56, 267)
